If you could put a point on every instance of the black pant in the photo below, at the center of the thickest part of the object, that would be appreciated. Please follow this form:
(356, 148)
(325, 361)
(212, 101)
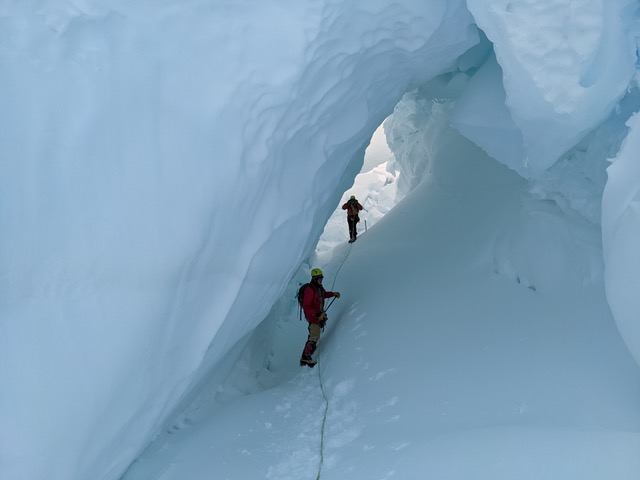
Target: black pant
(352, 220)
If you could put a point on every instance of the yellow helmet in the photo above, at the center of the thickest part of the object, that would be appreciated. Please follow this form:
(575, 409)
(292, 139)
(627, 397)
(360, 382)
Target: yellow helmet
(316, 272)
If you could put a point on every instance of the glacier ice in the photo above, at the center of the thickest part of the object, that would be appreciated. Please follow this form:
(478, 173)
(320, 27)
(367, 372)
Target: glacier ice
(167, 166)
(165, 169)
(566, 64)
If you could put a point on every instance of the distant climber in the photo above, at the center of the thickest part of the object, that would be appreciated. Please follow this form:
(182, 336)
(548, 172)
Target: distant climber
(312, 297)
(353, 207)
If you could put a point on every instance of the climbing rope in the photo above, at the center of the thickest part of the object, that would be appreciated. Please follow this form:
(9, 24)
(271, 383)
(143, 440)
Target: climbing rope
(324, 421)
(336, 275)
(340, 266)
(324, 395)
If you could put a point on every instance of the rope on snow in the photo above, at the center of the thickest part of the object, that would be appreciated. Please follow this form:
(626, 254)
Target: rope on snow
(324, 395)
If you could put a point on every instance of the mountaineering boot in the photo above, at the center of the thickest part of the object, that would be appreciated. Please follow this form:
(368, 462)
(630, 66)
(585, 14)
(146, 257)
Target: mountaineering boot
(308, 361)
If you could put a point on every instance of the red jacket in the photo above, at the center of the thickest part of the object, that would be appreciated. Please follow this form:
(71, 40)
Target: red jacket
(352, 207)
(313, 301)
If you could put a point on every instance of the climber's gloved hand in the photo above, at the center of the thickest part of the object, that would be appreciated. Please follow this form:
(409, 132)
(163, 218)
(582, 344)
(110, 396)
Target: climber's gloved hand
(322, 317)
(336, 294)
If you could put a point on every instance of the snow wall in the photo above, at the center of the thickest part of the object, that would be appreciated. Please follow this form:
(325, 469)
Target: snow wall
(167, 166)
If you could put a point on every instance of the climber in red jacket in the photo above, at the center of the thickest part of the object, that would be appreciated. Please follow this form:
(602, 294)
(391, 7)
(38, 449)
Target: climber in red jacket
(313, 296)
(353, 207)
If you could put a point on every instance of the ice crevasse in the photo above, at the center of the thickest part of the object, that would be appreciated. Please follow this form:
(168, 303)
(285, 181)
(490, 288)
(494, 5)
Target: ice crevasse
(166, 167)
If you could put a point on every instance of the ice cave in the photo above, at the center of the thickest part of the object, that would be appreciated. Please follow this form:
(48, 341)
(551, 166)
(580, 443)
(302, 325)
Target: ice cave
(172, 170)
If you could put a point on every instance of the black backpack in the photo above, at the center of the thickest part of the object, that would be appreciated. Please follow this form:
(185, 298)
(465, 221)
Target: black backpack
(300, 296)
